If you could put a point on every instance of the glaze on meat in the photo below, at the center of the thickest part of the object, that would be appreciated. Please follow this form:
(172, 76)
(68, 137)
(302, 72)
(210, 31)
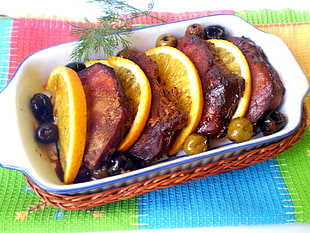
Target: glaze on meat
(267, 88)
(164, 119)
(108, 113)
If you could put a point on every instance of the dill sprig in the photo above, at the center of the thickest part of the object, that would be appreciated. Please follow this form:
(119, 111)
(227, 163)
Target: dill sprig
(103, 35)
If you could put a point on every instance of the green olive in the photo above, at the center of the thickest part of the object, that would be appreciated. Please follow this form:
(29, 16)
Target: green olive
(195, 144)
(240, 129)
(125, 53)
(195, 29)
(101, 172)
(166, 40)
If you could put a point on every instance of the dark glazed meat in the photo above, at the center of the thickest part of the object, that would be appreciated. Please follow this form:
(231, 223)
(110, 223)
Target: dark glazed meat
(108, 113)
(164, 119)
(267, 88)
(221, 89)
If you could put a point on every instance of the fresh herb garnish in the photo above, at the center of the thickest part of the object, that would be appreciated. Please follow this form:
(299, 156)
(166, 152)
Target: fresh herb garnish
(104, 35)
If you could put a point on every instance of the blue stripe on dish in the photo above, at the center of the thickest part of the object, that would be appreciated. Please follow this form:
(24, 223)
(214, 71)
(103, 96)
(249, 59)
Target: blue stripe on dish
(5, 33)
(251, 196)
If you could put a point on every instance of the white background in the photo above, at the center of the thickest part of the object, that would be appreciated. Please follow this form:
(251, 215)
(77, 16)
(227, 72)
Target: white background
(81, 8)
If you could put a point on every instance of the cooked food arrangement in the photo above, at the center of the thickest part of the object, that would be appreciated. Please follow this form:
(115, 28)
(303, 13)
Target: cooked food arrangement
(267, 88)
(109, 117)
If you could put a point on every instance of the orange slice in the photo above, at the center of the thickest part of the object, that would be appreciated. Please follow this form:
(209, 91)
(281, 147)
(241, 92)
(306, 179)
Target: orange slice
(236, 63)
(137, 88)
(179, 77)
(69, 101)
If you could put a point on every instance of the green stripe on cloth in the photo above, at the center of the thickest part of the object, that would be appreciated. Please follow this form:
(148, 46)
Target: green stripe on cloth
(272, 16)
(21, 210)
(295, 169)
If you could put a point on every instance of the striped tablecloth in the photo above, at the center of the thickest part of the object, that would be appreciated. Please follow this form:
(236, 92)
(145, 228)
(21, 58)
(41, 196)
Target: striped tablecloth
(276, 191)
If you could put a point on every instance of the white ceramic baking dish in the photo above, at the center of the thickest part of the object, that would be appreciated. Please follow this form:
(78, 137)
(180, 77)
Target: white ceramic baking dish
(20, 151)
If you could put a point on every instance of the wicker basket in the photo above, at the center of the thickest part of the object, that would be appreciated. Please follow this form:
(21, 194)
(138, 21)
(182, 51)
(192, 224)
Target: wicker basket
(69, 202)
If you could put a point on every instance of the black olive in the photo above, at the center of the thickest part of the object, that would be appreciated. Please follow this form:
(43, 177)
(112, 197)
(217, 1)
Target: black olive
(42, 107)
(101, 172)
(215, 32)
(76, 66)
(195, 29)
(132, 163)
(46, 133)
(116, 164)
(120, 163)
(272, 122)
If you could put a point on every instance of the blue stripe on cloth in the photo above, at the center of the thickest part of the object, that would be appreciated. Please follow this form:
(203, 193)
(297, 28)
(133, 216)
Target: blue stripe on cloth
(251, 196)
(5, 33)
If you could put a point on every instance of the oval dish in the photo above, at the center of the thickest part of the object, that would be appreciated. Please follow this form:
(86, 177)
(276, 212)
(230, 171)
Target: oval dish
(21, 152)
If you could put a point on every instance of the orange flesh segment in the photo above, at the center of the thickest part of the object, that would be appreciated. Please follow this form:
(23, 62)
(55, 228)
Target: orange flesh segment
(70, 114)
(179, 77)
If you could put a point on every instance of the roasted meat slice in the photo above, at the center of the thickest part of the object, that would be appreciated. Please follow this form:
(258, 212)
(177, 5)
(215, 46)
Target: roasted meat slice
(164, 119)
(267, 88)
(108, 112)
(222, 91)
(221, 88)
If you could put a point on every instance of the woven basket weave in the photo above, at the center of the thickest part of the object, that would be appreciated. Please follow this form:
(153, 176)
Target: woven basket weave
(77, 202)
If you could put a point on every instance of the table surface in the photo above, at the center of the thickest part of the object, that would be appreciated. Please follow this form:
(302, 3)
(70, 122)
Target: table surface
(80, 8)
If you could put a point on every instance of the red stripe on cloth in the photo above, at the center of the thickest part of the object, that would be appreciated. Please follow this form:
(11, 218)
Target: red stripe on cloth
(172, 17)
(32, 34)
